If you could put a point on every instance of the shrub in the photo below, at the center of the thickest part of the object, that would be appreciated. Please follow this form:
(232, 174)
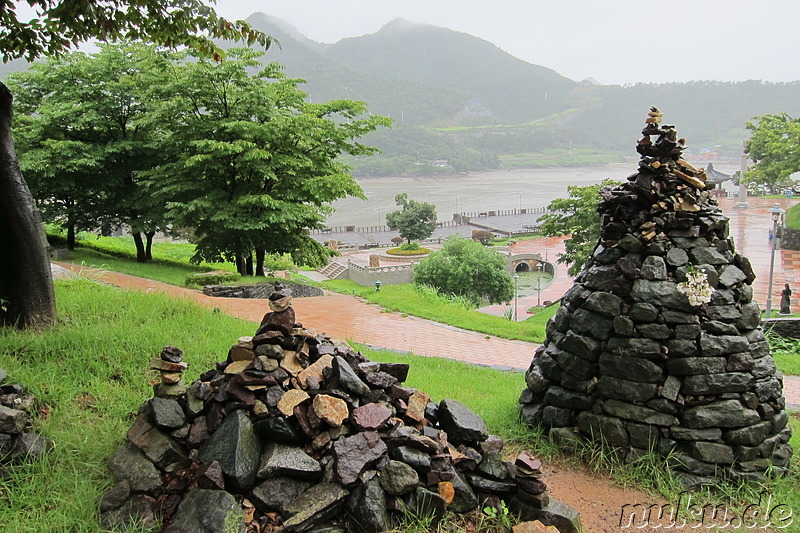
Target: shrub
(482, 236)
(397, 240)
(410, 246)
(400, 251)
(216, 277)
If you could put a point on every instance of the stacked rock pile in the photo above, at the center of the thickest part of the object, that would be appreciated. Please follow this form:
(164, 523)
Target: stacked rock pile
(658, 345)
(18, 441)
(296, 432)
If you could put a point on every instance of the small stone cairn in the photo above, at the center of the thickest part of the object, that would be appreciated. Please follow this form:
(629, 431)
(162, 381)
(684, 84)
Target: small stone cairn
(658, 344)
(297, 432)
(18, 441)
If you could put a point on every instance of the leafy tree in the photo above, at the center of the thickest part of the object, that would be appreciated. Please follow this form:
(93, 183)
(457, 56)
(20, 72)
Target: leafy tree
(466, 268)
(775, 148)
(415, 221)
(81, 141)
(26, 285)
(576, 216)
(482, 236)
(251, 166)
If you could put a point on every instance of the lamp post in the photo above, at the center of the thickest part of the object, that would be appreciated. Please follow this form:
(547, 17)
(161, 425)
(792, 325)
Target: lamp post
(540, 266)
(377, 285)
(516, 278)
(777, 213)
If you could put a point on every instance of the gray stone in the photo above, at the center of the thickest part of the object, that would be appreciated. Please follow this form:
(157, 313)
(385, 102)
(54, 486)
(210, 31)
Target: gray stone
(740, 362)
(346, 378)
(280, 429)
(683, 433)
(165, 413)
(237, 449)
(609, 429)
(535, 381)
(272, 351)
(604, 303)
(704, 384)
(161, 449)
(654, 268)
(355, 454)
(275, 493)
(722, 344)
(630, 368)
(677, 257)
(663, 405)
(643, 312)
(284, 460)
(660, 293)
(492, 465)
(553, 416)
(727, 313)
(366, 507)
(678, 317)
(764, 367)
(576, 366)
(753, 435)
(208, 511)
(711, 452)
(464, 499)
(654, 331)
(687, 463)
(633, 347)
(707, 255)
(621, 389)
(730, 276)
(115, 497)
(682, 348)
(563, 517)
(723, 297)
(630, 243)
(717, 327)
(584, 347)
(623, 326)
(561, 397)
(671, 388)
(484, 485)
(417, 459)
(423, 502)
(592, 324)
(687, 366)
(131, 465)
(315, 506)
(462, 425)
(638, 413)
(751, 316)
(13, 420)
(643, 436)
(722, 413)
(398, 478)
(137, 510)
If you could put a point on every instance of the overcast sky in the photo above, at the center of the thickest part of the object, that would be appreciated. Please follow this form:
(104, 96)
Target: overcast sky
(613, 41)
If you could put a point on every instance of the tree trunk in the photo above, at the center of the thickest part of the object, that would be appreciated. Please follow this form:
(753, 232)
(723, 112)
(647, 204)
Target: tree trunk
(240, 266)
(148, 250)
(26, 283)
(249, 264)
(260, 263)
(141, 255)
(70, 236)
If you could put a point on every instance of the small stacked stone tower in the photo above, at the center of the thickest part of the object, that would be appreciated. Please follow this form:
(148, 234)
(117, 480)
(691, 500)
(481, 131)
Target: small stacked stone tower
(658, 345)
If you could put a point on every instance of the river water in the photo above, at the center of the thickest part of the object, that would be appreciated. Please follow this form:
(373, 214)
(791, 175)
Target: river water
(475, 192)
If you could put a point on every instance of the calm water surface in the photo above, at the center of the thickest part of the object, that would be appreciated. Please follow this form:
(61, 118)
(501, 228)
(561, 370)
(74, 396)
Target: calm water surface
(475, 192)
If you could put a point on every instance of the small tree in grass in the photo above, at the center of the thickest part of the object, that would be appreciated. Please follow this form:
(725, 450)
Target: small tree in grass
(466, 268)
(415, 221)
(482, 236)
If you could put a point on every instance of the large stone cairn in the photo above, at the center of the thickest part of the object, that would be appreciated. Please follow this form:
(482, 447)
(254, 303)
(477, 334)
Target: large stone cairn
(18, 441)
(297, 432)
(628, 359)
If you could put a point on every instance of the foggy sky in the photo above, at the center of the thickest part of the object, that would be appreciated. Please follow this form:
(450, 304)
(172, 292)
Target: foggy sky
(613, 41)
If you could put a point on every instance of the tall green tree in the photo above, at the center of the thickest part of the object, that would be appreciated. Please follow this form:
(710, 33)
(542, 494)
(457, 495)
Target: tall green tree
(415, 221)
(26, 286)
(252, 166)
(576, 216)
(775, 147)
(81, 140)
(465, 267)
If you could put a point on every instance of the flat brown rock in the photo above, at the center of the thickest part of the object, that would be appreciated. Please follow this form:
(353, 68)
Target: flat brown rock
(416, 406)
(291, 363)
(329, 409)
(315, 371)
(290, 400)
(372, 415)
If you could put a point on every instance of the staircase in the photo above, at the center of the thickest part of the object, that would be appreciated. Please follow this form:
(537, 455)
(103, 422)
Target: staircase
(333, 270)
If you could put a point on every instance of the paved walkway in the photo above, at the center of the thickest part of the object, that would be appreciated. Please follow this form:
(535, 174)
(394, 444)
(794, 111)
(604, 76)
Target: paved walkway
(346, 317)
